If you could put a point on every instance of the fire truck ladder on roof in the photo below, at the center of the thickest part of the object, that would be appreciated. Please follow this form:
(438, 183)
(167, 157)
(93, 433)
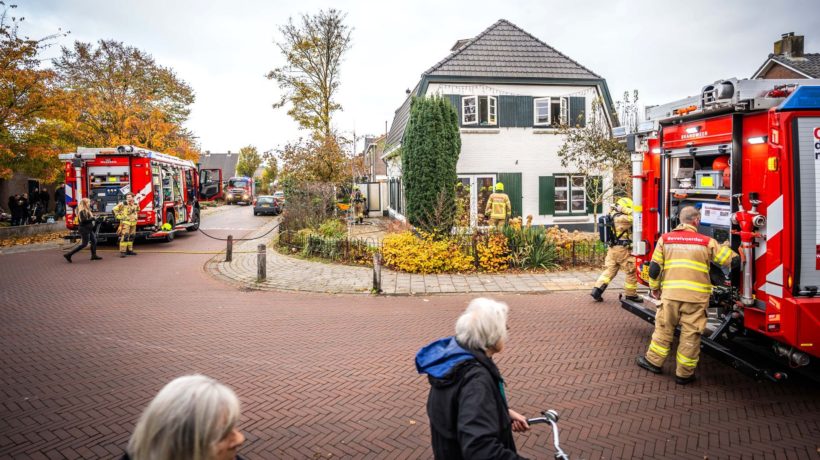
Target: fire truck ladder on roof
(729, 95)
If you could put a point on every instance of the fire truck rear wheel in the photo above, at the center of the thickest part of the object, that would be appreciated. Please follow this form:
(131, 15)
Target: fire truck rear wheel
(169, 219)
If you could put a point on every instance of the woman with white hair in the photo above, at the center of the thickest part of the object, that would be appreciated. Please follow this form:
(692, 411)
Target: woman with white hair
(192, 418)
(467, 405)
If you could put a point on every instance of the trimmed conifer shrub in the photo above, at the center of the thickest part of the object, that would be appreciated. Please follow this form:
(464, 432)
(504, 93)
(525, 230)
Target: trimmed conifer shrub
(430, 152)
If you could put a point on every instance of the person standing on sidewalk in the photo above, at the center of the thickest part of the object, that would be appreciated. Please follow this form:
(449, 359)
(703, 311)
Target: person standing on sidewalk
(619, 255)
(358, 205)
(86, 227)
(680, 270)
(127, 214)
(14, 209)
(59, 202)
(467, 404)
(498, 207)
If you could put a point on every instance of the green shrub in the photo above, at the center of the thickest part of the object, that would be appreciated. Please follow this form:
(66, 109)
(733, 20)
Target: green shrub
(332, 228)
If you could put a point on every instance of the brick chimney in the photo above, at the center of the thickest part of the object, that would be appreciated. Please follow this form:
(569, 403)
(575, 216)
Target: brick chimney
(789, 45)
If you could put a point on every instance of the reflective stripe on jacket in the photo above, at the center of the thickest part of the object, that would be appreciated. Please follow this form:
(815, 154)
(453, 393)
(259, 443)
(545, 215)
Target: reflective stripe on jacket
(498, 206)
(126, 213)
(684, 256)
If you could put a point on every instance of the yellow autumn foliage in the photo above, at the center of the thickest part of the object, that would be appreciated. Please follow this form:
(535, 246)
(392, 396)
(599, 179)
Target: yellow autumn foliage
(409, 253)
(493, 253)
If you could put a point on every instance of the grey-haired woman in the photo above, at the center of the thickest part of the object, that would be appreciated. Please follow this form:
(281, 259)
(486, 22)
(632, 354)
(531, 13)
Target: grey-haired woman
(192, 418)
(467, 404)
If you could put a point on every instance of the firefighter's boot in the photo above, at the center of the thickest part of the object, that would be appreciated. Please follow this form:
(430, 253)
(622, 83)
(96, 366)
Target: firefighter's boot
(597, 293)
(95, 257)
(634, 298)
(642, 361)
(68, 257)
(685, 380)
(131, 253)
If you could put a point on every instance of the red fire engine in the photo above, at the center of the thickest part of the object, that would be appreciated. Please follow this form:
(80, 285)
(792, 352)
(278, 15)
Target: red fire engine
(167, 189)
(747, 154)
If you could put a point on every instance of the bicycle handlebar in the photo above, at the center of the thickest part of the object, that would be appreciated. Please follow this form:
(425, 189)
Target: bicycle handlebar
(551, 417)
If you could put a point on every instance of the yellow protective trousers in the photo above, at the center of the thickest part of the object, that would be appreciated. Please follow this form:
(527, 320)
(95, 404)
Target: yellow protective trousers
(127, 232)
(619, 258)
(692, 320)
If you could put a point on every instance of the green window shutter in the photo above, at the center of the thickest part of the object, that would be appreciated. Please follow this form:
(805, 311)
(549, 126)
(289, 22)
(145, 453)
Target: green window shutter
(512, 187)
(506, 111)
(455, 100)
(598, 183)
(546, 195)
(577, 107)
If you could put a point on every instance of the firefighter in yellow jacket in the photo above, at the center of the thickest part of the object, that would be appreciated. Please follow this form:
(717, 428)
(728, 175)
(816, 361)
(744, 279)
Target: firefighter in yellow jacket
(127, 213)
(679, 269)
(498, 207)
(619, 255)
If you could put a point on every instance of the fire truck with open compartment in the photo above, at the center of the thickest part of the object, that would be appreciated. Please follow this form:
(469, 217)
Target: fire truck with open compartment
(167, 189)
(747, 154)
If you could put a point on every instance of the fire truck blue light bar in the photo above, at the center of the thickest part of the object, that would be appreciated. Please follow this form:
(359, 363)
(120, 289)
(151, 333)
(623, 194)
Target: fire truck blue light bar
(804, 97)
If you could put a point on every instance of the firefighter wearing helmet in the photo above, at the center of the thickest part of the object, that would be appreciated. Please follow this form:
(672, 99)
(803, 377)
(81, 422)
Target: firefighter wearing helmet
(619, 255)
(679, 271)
(358, 205)
(127, 213)
(498, 207)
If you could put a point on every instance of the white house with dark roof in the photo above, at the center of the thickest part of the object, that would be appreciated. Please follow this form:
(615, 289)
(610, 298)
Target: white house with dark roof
(510, 90)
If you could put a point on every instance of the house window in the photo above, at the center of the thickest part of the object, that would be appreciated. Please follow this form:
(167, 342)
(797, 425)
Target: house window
(570, 194)
(479, 110)
(549, 111)
(542, 111)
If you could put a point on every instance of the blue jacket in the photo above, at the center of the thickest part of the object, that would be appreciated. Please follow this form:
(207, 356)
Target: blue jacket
(469, 418)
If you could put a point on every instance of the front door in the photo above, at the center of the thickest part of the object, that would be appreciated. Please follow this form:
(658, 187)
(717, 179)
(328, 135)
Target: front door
(472, 194)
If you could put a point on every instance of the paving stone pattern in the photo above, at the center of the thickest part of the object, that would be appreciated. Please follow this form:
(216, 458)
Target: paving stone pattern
(86, 346)
(295, 274)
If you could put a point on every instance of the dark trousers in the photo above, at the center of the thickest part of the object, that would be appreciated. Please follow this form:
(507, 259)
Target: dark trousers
(87, 236)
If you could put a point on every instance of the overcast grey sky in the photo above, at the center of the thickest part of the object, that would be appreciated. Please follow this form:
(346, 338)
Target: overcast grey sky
(665, 49)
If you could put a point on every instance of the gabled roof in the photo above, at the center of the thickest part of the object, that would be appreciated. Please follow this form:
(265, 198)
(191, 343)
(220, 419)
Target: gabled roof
(506, 50)
(400, 121)
(224, 161)
(808, 64)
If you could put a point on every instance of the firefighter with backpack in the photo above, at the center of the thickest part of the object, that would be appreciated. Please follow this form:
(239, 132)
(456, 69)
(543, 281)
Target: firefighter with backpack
(615, 230)
(498, 207)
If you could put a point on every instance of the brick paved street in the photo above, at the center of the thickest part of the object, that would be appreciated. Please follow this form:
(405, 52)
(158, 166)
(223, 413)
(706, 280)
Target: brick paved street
(85, 346)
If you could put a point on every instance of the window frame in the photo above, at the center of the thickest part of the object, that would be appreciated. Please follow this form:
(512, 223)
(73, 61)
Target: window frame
(535, 102)
(563, 111)
(464, 113)
(569, 197)
(491, 114)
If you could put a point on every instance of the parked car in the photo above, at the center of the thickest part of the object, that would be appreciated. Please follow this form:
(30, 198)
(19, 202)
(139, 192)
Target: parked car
(280, 197)
(266, 204)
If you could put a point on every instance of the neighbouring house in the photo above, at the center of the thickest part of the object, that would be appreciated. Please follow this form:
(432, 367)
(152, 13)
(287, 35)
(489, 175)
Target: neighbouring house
(374, 185)
(789, 61)
(224, 161)
(510, 90)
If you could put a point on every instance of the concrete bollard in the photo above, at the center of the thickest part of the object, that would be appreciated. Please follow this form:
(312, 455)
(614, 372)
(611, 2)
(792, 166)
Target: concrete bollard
(229, 249)
(261, 263)
(377, 273)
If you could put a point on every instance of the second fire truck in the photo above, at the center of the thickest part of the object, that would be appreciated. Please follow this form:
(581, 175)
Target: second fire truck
(167, 189)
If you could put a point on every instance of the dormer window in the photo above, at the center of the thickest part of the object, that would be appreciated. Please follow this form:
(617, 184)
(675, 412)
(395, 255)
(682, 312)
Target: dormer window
(479, 110)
